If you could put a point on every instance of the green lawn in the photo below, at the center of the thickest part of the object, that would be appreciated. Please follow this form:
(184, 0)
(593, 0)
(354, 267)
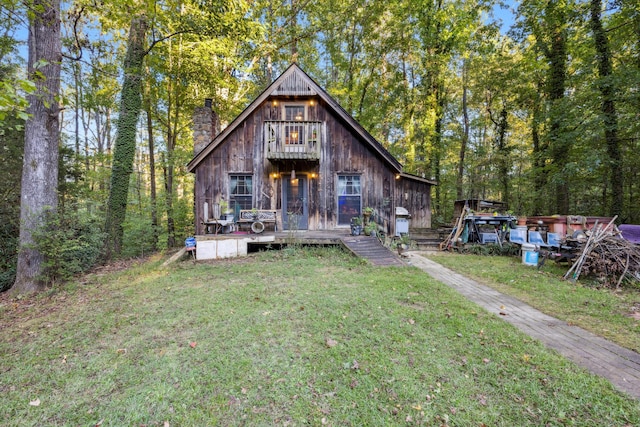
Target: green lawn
(612, 314)
(306, 337)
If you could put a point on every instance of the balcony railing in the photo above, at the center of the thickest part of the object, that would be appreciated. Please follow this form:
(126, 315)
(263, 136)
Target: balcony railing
(293, 140)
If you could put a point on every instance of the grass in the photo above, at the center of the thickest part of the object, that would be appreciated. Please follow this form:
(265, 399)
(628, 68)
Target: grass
(314, 337)
(609, 313)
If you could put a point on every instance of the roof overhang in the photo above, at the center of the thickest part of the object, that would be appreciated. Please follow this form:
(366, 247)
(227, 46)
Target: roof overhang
(417, 178)
(279, 88)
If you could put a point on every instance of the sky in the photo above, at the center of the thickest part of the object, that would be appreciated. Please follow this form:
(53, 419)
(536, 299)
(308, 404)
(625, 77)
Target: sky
(506, 14)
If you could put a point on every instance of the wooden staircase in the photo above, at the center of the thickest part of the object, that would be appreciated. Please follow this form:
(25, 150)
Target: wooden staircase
(371, 249)
(428, 238)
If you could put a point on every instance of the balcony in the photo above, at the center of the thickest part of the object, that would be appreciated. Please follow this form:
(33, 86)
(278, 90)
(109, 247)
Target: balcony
(295, 140)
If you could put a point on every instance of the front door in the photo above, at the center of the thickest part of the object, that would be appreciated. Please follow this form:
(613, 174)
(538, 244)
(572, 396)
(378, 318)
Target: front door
(295, 207)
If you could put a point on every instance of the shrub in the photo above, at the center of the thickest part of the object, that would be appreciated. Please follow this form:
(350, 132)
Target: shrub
(491, 249)
(71, 242)
(8, 254)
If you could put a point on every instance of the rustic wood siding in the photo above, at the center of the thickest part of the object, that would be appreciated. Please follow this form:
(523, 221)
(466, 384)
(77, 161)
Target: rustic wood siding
(415, 197)
(343, 152)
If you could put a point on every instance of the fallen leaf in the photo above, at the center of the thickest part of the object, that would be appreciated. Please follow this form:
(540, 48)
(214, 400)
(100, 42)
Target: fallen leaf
(502, 313)
(355, 365)
(502, 307)
(485, 360)
(166, 424)
(331, 343)
(417, 407)
(35, 402)
(411, 321)
(193, 344)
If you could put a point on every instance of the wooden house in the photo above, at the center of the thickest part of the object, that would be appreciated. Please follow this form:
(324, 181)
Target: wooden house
(295, 151)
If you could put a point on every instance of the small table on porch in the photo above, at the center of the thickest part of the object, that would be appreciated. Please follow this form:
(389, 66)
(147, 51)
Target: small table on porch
(218, 226)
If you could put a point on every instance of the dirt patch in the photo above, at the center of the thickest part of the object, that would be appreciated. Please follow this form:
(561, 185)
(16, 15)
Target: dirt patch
(634, 311)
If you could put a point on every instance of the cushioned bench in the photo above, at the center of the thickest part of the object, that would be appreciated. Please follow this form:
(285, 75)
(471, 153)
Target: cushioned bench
(249, 216)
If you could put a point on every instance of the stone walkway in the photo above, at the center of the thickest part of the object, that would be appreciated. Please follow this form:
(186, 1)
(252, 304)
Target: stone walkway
(602, 357)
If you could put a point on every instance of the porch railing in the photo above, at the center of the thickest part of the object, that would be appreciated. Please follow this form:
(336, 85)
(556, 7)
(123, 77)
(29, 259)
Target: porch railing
(293, 140)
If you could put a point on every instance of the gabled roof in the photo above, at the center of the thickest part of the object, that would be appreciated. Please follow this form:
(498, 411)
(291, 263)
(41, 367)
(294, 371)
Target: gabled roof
(296, 82)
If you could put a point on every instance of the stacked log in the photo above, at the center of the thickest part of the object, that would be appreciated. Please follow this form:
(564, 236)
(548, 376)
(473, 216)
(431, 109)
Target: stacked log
(608, 257)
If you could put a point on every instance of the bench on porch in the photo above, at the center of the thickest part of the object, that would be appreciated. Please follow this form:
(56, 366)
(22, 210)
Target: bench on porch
(250, 216)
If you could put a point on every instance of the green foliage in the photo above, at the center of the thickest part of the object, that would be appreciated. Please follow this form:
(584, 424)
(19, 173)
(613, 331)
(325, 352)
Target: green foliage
(138, 237)
(71, 242)
(370, 227)
(11, 148)
(125, 144)
(492, 249)
(8, 252)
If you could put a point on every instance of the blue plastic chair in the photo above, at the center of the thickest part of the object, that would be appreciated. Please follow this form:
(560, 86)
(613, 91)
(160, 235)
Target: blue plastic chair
(535, 238)
(553, 240)
(518, 236)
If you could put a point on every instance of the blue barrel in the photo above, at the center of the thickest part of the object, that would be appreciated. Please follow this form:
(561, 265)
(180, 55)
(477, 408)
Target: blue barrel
(190, 243)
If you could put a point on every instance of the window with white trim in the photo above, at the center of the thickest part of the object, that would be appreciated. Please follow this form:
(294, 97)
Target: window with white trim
(241, 192)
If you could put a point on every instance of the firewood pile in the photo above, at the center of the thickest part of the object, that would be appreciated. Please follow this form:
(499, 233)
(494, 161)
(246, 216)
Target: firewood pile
(607, 256)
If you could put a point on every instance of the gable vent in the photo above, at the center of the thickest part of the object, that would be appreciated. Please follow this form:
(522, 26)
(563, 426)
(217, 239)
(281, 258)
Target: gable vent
(294, 85)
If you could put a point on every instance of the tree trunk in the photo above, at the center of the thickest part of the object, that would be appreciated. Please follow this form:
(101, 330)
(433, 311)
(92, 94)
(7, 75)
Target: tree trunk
(438, 145)
(125, 143)
(557, 56)
(465, 132)
(607, 89)
(503, 153)
(539, 155)
(40, 167)
(152, 179)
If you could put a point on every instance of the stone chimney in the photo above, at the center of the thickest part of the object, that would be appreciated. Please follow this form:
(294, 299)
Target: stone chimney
(205, 126)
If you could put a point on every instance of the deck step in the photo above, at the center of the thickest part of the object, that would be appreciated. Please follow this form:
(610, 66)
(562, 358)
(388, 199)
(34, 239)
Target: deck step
(370, 248)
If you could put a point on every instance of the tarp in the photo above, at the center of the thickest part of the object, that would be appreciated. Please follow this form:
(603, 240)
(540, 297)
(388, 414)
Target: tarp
(630, 232)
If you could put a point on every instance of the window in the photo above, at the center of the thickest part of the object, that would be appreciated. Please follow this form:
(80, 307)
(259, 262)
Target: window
(294, 113)
(349, 198)
(293, 133)
(241, 192)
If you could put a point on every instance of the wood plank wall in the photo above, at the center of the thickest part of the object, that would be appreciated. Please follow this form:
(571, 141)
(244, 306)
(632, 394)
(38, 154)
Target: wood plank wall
(341, 153)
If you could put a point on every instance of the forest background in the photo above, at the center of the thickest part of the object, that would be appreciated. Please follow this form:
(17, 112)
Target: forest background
(543, 114)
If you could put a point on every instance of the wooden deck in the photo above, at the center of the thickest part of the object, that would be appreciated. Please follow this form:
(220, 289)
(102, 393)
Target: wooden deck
(365, 247)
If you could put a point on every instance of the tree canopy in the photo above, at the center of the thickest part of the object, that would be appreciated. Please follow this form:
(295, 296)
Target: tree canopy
(541, 113)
